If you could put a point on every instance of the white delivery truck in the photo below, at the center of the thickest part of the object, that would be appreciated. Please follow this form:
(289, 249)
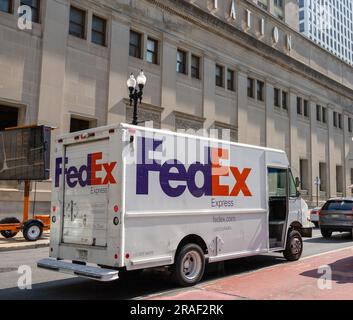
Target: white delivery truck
(128, 198)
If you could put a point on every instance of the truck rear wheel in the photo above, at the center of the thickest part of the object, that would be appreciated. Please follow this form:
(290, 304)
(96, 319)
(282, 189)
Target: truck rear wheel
(7, 233)
(294, 247)
(32, 231)
(189, 266)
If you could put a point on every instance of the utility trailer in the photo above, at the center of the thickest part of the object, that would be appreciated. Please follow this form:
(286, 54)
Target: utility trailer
(129, 198)
(25, 156)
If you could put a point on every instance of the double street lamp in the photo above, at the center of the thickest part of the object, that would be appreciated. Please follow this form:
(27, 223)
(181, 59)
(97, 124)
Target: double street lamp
(136, 92)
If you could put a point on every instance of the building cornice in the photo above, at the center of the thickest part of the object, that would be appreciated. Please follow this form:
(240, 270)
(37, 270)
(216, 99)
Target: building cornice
(208, 21)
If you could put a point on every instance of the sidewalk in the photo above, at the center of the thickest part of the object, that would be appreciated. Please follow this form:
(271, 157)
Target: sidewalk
(290, 281)
(19, 243)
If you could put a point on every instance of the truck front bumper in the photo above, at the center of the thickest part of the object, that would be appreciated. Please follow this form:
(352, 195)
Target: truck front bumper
(93, 273)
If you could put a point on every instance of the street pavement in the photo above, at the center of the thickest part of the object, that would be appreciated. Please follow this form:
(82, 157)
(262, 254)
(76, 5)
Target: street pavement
(260, 277)
(20, 243)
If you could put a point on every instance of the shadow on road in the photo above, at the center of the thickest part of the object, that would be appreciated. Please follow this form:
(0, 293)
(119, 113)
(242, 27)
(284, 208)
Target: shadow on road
(336, 238)
(150, 282)
(153, 282)
(342, 271)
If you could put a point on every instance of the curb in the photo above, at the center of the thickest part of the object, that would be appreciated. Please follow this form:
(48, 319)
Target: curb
(24, 247)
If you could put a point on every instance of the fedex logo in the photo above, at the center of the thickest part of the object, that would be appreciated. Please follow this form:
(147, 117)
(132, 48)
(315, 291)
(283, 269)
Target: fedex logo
(174, 172)
(87, 174)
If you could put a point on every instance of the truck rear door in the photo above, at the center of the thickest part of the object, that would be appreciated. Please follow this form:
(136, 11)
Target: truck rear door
(88, 174)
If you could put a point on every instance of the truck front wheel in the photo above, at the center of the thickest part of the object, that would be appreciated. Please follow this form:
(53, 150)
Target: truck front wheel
(294, 247)
(189, 266)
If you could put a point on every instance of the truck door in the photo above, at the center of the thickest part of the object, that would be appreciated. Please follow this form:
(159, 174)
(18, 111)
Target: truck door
(295, 201)
(85, 203)
(278, 206)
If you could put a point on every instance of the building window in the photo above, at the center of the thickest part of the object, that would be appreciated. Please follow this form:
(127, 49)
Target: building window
(318, 113)
(284, 100)
(79, 124)
(306, 108)
(299, 105)
(135, 46)
(260, 90)
(152, 51)
(230, 80)
(277, 97)
(6, 6)
(250, 88)
(339, 179)
(35, 6)
(324, 115)
(349, 124)
(304, 174)
(323, 176)
(219, 76)
(8, 117)
(77, 22)
(182, 62)
(99, 30)
(195, 67)
(335, 119)
(278, 3)
(340, 124)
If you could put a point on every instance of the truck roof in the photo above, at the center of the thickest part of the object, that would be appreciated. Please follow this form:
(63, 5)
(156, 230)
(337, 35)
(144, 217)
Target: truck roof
(166, 132)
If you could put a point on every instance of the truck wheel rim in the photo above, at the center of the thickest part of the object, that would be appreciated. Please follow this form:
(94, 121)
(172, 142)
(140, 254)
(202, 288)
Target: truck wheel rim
(191, 265)
(296, 246)
(34, 232)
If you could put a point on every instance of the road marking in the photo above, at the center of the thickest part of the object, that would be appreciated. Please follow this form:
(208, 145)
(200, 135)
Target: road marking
(327, 252)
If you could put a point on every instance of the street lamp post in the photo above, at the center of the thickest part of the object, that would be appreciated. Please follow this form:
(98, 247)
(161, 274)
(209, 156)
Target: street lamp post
(136, 92)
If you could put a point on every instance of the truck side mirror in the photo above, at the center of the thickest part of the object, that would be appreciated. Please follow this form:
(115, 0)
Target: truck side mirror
(297, 182)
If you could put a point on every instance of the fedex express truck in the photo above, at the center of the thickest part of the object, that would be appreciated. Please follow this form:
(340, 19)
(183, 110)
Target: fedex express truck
(128, 198)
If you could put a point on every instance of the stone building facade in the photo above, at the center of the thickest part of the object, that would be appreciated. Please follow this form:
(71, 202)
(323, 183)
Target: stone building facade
(226, 64)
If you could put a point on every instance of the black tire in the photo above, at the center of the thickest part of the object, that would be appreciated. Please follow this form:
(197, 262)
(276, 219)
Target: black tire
(32, 231)
(7, 233)
(182, 276)
(327, 234)
(294, 247)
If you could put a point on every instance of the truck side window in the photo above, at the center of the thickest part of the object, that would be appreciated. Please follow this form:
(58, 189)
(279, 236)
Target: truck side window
(292, 186)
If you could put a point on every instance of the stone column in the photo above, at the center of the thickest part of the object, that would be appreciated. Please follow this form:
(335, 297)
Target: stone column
(314, 170)
(346, 155)
(55, 31)
(242, 97)
(331, 176)
(293, 131)
(118, 71)
(209, 91)
(270, 113)
(169, 83)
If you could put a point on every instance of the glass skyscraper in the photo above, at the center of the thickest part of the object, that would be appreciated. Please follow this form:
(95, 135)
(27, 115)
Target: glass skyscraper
(329, 23)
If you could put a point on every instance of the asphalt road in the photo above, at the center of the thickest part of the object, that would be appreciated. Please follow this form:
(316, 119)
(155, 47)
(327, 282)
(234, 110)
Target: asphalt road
(50, 285)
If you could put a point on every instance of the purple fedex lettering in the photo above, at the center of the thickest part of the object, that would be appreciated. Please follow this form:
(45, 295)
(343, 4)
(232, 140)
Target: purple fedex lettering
(87, 174)
(170, 171)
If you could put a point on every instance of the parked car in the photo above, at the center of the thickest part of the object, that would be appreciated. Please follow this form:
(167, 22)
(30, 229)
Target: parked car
(314, 216)
(336, 216)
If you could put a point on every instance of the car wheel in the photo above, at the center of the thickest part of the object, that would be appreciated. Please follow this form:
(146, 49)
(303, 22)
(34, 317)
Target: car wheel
(294, 247)
(189, 266)
(7, 233)
(32, 231)
(326, 233)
